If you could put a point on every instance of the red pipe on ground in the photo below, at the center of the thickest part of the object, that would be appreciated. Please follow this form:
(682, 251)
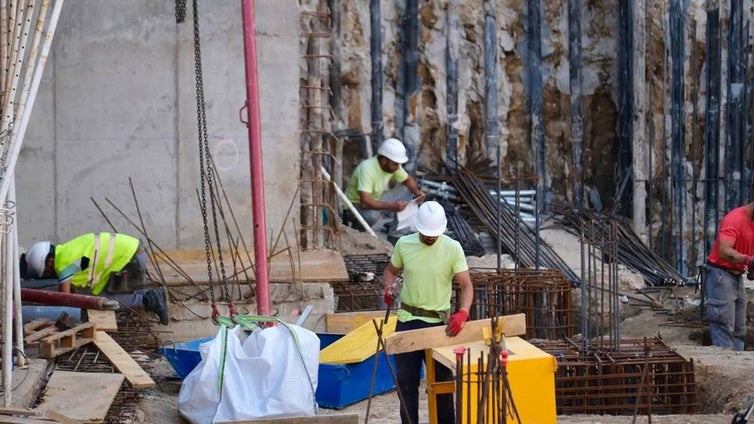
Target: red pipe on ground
(253, 123)
(47, 297)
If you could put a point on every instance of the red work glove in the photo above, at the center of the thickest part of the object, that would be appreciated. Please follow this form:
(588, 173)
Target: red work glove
(388, 297)
(456, 321)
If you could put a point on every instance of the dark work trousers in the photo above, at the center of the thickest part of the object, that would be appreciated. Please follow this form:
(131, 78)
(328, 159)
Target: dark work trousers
(725, 307)
(409, 366)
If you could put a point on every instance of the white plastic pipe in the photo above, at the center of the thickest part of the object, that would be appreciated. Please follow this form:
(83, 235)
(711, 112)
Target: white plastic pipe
(16, 141)
(7, 323)
(18, 316)
(349, 204)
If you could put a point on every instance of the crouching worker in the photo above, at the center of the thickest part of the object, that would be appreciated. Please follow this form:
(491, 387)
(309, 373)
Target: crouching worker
(103, 264)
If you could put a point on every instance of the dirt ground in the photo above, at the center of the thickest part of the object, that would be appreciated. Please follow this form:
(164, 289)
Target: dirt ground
(724, 378)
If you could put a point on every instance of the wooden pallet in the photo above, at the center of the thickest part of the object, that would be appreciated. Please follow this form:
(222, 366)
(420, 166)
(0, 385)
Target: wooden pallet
(53, 342)
(38, 329)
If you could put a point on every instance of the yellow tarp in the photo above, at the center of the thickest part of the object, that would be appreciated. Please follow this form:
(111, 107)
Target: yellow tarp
(358, 345)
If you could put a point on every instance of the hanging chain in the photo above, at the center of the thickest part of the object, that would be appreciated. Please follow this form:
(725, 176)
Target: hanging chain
(206, 171)
(180, 11)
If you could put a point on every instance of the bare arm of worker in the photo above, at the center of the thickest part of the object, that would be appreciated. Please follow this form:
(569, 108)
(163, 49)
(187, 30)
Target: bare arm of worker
(390, 274)
(412, 185)
(467, 290)
(366, 202)
(726, 252)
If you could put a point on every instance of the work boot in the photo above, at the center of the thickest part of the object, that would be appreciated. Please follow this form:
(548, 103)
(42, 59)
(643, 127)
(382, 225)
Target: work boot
(156, 301)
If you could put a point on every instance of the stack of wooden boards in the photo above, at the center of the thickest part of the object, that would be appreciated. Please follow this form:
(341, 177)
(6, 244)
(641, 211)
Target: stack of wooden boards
(63, 393)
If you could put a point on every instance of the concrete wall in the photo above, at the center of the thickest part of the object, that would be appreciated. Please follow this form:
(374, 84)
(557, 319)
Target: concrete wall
(118, 102)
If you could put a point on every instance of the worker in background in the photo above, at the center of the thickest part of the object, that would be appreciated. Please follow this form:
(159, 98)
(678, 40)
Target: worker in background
(105, 264)
(731, 256)
(370, 179)
(429, 260)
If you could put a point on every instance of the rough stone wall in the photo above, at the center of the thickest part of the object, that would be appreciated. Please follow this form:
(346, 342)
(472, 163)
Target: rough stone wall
(654, 177)
(599, 20)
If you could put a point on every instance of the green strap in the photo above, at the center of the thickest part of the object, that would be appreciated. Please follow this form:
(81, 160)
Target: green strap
(223, 354)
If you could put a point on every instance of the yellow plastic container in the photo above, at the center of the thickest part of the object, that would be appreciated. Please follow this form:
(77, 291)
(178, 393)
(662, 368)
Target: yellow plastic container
(531, 374)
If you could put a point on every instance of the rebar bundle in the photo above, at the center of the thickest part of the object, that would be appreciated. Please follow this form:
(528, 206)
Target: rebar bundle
(631, 251)
(460, 230)
(518, 239)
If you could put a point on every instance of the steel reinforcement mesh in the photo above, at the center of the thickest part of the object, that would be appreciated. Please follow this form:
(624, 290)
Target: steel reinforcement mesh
(544, 295)
(644, 377)
(135, 336)
(360, 294)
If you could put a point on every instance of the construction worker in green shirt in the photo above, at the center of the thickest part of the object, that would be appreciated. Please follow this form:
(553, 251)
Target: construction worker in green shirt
(430, 261)
(370, 179)
(105, 264)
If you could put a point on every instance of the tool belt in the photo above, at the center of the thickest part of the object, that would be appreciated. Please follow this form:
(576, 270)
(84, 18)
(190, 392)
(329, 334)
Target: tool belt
(734, 273)
(419, 312)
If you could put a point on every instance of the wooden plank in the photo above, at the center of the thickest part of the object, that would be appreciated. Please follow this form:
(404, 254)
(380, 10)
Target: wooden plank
(81, 396)
(40, 334)
(426, 338)
(9, 410)
(358, 345)
(310, 266)
(37, 324)
(104, 320)
(330, 419)
(345, 322)
(62, 418)
(6, 419)
(133, 372)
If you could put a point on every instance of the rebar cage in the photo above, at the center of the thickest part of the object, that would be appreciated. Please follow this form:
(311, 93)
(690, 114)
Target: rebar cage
(644, 376)
(360, 293)
(544, 295)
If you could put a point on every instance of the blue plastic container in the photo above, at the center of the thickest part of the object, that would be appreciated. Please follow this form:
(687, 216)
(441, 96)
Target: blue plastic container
(340, 385)
(185, 356)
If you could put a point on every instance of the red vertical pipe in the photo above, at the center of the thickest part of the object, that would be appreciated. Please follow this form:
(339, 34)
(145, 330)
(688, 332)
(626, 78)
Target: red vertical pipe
(253, 123)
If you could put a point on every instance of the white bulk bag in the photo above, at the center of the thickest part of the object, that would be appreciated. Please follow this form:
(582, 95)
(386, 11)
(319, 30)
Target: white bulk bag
(272, 373)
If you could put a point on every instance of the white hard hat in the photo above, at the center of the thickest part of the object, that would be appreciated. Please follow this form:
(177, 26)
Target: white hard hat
(430, 220)
(36, 257)
(393, 149)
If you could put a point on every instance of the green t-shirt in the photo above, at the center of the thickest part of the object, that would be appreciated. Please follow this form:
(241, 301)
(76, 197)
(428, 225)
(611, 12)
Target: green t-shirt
(369, 177)
(427, 273)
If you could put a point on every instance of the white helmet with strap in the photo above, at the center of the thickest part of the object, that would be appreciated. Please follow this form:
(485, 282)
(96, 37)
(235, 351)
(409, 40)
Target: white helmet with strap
(430, 219)
(36, 257)
(393, 149)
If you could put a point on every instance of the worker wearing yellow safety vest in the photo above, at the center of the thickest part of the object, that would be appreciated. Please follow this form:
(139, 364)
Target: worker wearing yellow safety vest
(106, 264)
